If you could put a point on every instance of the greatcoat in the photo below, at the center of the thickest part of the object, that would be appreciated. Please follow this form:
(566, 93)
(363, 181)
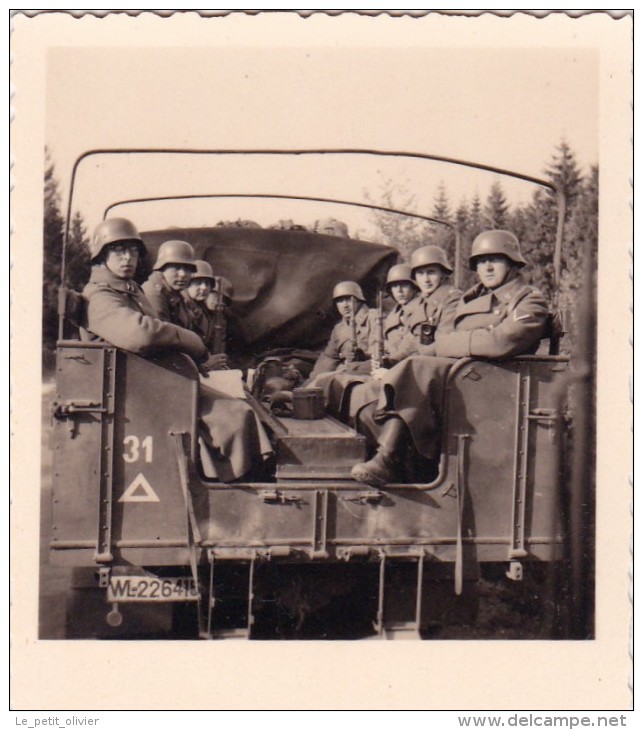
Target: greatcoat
(502, 323)
(339, 347)
(437, 309)
(168, 304)
(232, 439)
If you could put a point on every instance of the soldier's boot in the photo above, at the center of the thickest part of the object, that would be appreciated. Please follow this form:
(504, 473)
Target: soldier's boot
(382, 469)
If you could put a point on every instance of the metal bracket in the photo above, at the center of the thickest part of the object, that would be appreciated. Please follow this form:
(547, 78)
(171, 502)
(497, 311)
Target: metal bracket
(514, 571)
(366, 497)
(274, 496)
(103, 576)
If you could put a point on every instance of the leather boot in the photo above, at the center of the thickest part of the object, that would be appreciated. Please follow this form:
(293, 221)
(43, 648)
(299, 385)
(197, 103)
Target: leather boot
(381, 469)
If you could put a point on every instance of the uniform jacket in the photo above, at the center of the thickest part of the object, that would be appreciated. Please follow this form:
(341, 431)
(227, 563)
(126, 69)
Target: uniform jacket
(201, 320)
(437, 309)
(501, 323)
(119, 313)
(168, 304)
(339, 346)
(394, 328)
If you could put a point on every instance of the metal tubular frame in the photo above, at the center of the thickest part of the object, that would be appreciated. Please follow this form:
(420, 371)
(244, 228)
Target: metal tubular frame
(326, 151)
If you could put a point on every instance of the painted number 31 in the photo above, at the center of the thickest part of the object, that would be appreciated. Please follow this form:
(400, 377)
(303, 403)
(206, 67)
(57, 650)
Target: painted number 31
(133, 447)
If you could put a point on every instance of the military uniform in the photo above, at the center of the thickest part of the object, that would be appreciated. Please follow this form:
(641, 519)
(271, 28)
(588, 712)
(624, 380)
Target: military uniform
(437, 309)
(201, 320)
(339, 348)
(232, 439)
(168, 304)
(119, 312)
(502, 323)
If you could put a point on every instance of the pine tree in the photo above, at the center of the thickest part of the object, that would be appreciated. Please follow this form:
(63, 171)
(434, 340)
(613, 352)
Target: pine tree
(441, 205)
(77, 258)
(564, 173)
(52, 250)
(496, 211)
(443, 236)
(541, 217)
(476, 224)
(581, 240)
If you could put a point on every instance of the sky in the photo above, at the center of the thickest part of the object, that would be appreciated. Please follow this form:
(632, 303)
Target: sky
(503, 106)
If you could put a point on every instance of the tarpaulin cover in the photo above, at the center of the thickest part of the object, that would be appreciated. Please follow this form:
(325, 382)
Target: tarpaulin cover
(283, 280)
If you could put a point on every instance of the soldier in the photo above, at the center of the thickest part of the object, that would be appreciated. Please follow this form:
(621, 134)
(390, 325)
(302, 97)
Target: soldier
(195, 295)
(348, 346)
(434, 309)
(500, 317)
(117, 309)
(331, 227)
(232, 440)
(430, 312)
(171, 275)
(403, 290)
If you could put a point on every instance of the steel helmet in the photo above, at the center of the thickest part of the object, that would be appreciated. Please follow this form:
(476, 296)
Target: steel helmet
(175, 252)
(348, 289)
(203, 270)
(496, 242)
(399, 273)
(331, 227)
(428, 256)
(114, 230)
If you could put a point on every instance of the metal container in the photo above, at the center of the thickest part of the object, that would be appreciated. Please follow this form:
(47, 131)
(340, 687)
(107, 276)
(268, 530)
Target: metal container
(308, 403)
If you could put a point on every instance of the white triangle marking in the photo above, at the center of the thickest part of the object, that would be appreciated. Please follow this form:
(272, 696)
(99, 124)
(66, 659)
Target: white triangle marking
(139, 483)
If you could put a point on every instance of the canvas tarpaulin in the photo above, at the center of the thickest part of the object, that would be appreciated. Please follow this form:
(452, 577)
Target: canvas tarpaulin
(283, 280)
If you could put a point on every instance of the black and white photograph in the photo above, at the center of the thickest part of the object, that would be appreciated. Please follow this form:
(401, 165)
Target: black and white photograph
(329, 362)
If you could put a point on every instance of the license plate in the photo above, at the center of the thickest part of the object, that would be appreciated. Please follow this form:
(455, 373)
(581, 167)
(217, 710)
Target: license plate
(149, 589)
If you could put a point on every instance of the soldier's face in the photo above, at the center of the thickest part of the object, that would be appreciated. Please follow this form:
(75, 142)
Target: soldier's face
(122, 259)
(177, 276)
(428, 278)
(402, 291)
(346, 305)
(199, 289)
(493, 270)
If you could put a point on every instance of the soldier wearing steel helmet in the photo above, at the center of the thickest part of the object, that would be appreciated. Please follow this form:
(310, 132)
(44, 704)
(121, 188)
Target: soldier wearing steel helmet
(117, 309)
(500, 317)
(434, 309)
(232, 440)
(195, 296)
(401, 287)
(348, 346)
(172, 273)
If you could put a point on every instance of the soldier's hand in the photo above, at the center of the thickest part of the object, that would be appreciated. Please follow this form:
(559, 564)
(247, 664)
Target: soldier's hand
(216, 362)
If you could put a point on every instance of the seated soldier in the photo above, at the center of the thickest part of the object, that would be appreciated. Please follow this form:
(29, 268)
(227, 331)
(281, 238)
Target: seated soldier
(195, 295)
(233, 441)
(404, 292)
(384, 340)
(171, 275)
(430, 312)
(348, 346)
(500, 317)
(434, 309)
